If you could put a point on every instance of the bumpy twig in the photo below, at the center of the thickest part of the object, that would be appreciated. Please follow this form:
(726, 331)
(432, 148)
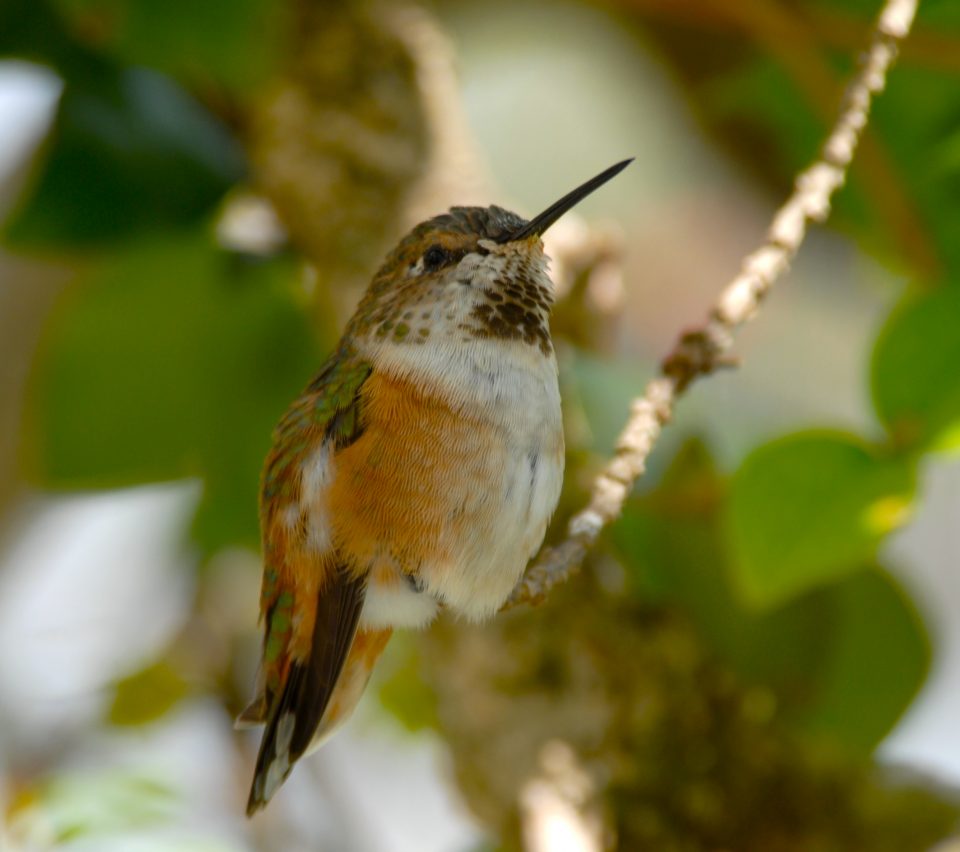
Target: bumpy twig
(703, 350)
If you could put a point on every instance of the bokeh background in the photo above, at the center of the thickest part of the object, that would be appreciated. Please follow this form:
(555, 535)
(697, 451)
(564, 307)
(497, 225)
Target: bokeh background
(763, 653)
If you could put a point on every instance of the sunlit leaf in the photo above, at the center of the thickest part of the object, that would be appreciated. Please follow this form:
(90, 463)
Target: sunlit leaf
(916, 371)
(810, 509)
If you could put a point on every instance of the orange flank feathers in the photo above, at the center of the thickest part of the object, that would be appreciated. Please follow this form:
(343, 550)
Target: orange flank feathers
(417, 476)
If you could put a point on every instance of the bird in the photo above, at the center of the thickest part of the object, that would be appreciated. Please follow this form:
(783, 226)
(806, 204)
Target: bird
(416, 472)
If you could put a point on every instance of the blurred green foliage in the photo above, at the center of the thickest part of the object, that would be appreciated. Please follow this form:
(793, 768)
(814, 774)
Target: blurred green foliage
(770, 105)
(231, 43)
(115, 810)
(804, 515)
(846, 658)
(77, 807)
(131, 152)
(174, 358)
(147, 694)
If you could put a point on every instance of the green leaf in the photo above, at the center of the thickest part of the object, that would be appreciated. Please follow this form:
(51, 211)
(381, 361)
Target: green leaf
(230, 42)
(915, 373)
(176, 359)
(878, 659)
(844, 660)
(146, 695)
(810, 509)
(129, 152)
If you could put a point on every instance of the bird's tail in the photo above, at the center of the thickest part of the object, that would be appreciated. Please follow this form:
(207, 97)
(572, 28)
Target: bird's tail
(306, 713)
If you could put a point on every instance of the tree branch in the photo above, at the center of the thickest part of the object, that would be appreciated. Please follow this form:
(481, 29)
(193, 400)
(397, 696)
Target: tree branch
(702, 350)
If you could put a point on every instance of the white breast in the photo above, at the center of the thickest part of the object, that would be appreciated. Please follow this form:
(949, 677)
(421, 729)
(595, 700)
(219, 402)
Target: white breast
(512, 386)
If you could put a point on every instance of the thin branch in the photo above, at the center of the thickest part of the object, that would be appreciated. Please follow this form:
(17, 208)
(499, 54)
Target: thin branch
(703, 350)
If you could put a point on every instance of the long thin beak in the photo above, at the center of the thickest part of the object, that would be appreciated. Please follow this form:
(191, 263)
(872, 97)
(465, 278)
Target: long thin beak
(538, 224)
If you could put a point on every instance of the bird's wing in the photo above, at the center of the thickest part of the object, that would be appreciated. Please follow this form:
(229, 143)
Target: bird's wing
(310, 602)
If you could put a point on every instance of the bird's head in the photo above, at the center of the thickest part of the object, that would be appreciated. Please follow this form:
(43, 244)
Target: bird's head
(473, 272)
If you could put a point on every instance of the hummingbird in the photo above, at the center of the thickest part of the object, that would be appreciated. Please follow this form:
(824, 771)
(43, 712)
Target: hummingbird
(417, 471)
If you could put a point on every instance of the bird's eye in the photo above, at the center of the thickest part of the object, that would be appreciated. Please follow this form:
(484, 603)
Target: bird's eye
(434, 257)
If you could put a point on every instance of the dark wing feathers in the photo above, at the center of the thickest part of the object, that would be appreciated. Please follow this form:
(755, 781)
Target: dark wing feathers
(295, 716)
(341, 606)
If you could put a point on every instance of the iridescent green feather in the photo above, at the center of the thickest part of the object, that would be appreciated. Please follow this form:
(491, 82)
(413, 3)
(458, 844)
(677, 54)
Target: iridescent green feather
(319, 410)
